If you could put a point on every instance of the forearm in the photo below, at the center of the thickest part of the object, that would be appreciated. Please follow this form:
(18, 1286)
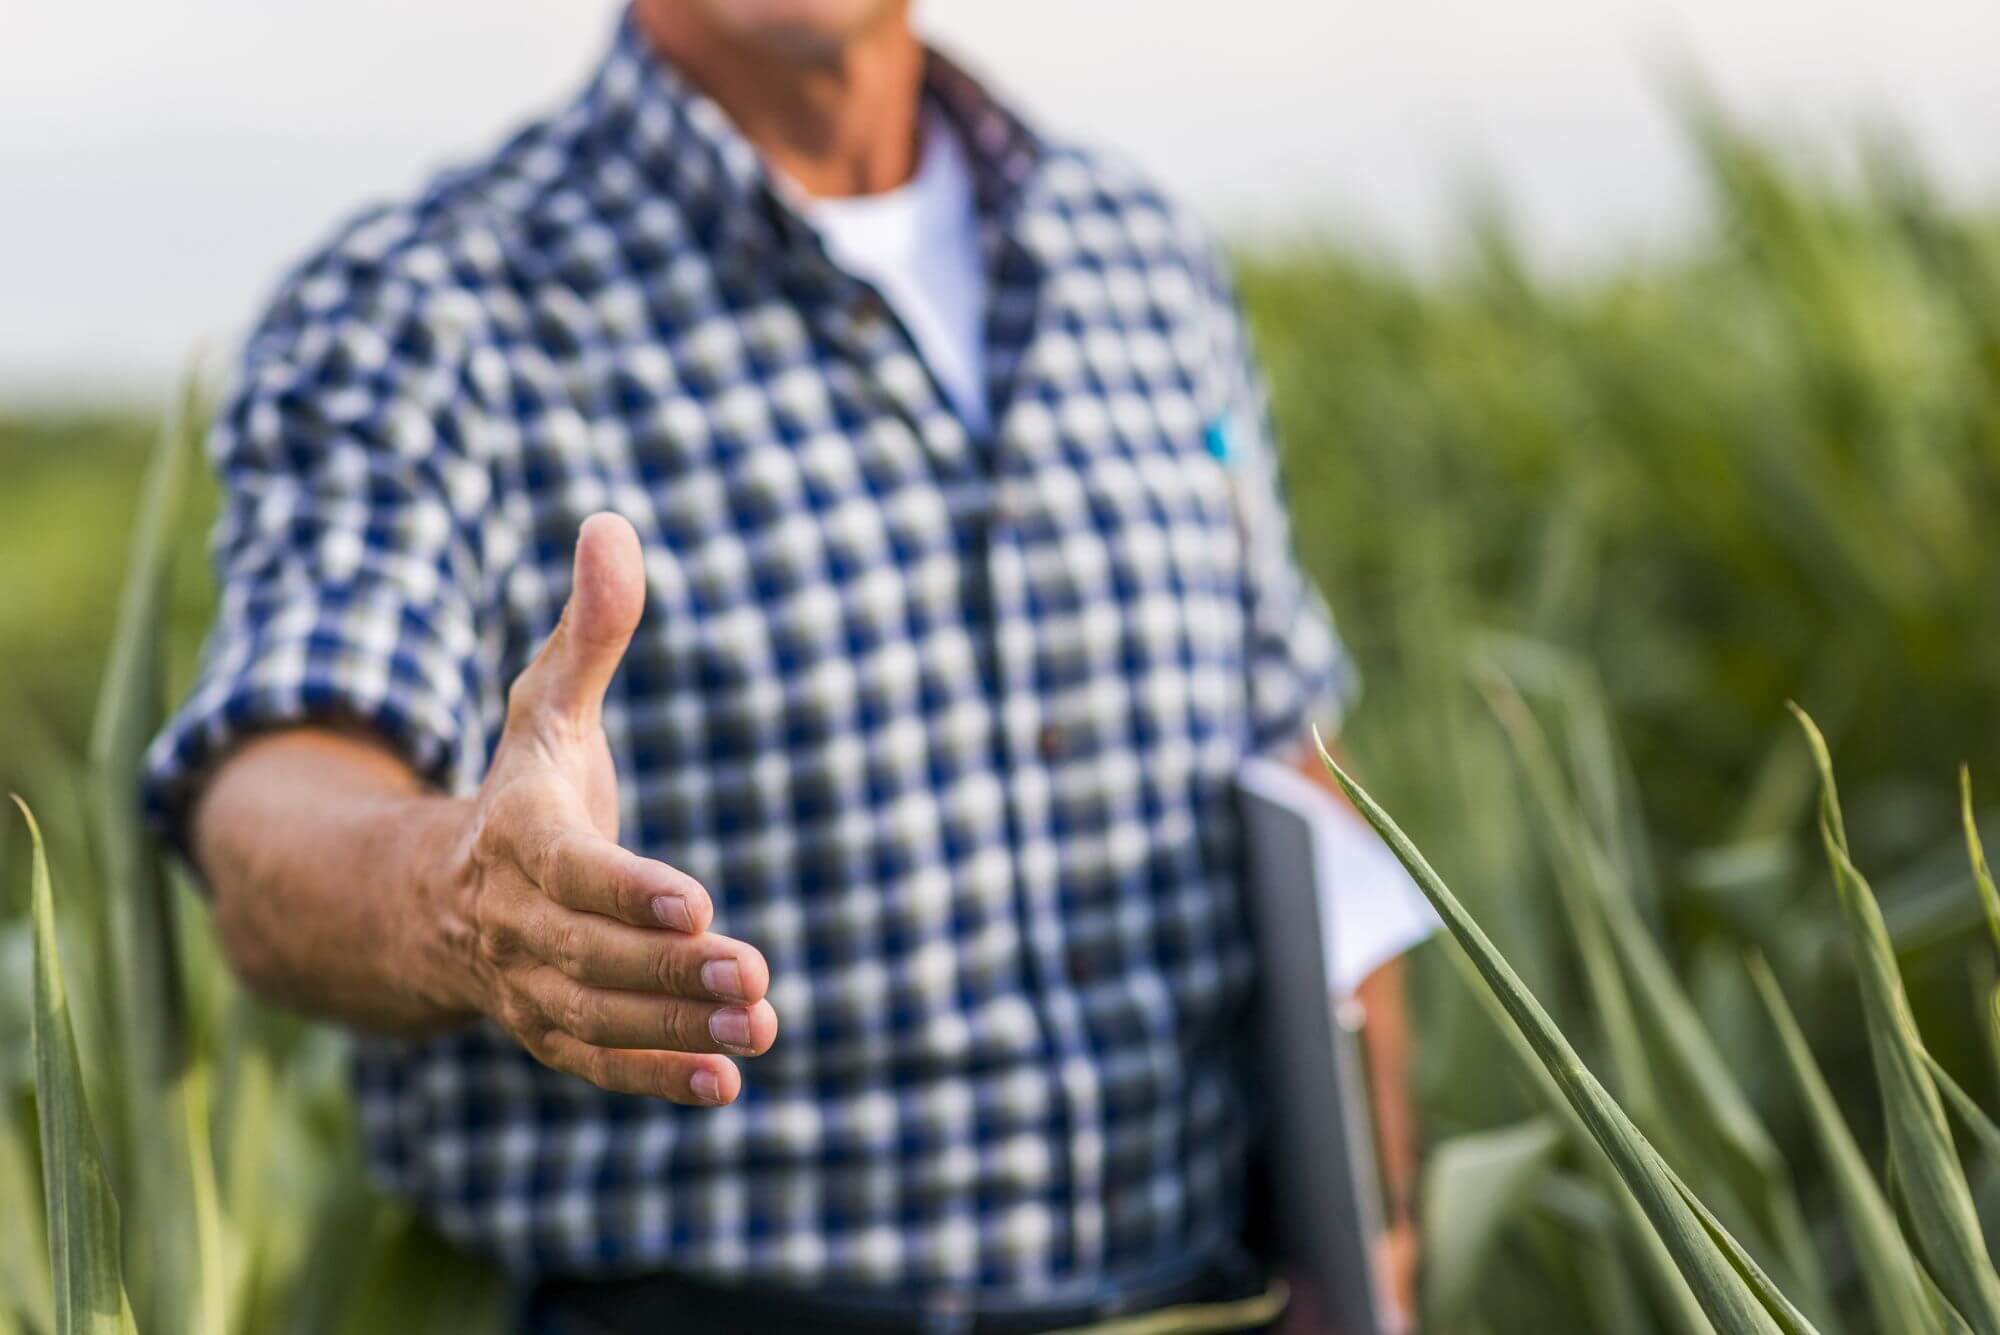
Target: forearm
(337, 881)
(1385, 1045)
(346, 890)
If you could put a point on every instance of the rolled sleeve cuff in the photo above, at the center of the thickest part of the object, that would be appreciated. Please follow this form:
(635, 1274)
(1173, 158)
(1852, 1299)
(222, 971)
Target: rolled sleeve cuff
(292, 670)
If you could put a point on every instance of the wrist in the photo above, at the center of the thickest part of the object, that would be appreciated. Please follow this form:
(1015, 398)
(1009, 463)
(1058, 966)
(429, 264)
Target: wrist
(441, 957)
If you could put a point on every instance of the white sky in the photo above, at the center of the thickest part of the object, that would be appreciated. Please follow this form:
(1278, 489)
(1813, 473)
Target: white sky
(160, 162)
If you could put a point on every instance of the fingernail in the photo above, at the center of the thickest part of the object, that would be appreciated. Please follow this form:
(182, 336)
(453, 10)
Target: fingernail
(672, 911)
(730, 1028)
(705, 1086)
(724, 980)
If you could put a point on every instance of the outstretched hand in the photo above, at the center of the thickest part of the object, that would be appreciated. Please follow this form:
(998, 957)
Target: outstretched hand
(597, 960)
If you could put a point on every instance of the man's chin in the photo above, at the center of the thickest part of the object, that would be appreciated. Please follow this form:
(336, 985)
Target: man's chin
(802, 28)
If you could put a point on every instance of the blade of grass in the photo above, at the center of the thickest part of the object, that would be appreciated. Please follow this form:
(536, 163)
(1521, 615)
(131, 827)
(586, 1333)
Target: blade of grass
(177, 1271)
(1664, 1003)
(1760, 1284)
(24, 1254)
(342, 1233)
(1602, 913)
(1889, 1271)
(1993, 1026)
(127, 715)
(1985, 984)
(243, 1121)
(1670, 1287)
(1940, 1306)
(1982, 876)
(1920, 1145)
(1581, 893)
(1713, 1275)
(1935, 1192)
(1610, 1293)
(1473, 1185)
(84, 1246)
(417, 1284)
(1969, 1112)
(1721, 1104)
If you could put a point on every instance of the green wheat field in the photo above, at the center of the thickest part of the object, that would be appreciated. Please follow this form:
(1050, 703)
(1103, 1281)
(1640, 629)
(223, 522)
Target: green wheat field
(1712, 1047)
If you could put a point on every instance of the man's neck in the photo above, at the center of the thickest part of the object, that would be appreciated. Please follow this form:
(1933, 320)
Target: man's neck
(837, 119)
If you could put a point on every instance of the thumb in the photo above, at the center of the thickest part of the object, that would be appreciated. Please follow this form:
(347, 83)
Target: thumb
(607, 596)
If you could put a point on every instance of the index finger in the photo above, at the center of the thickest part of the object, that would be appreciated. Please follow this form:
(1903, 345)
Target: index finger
(583, 870)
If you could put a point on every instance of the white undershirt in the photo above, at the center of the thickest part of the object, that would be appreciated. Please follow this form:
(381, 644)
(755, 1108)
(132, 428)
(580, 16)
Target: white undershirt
(919, 245)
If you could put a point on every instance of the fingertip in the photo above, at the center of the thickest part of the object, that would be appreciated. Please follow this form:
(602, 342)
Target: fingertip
(755, 975)
(701, 908)
(715, 1083)
(607, 526)
(609, 582)
(669, 911)
(668, 897)
(763, 1027)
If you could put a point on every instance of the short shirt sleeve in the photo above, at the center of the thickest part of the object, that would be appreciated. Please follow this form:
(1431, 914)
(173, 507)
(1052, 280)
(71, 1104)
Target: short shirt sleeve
(1300, 672)
(346, 552)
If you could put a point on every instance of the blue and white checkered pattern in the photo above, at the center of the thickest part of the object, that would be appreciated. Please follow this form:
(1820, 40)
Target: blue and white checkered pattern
(946, 725)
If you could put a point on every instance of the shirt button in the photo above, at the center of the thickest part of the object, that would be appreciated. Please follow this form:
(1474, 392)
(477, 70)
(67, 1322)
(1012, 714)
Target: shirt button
(870, 308)
(1051, 742)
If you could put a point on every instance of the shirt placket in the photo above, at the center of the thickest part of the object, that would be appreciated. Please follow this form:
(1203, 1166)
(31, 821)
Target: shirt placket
(1032, 747)
(856, 318)
(1031, 753)
(991, 512)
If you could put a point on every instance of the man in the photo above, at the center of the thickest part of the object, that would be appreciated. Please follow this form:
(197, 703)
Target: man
(780, 544)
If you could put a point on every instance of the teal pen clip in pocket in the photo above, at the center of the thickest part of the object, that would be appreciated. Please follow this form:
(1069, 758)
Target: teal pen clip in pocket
(1228, 446)
(1222, 443)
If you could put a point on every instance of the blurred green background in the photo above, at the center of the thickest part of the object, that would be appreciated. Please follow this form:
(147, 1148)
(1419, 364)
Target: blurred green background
(1657, 501)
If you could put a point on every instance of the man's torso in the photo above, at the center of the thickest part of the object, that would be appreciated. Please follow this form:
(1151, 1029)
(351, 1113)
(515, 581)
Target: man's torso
(946, 724)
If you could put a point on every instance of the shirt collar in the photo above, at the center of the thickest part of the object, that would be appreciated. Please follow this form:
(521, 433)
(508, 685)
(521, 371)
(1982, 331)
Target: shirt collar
(640, 104)
(1001, 149)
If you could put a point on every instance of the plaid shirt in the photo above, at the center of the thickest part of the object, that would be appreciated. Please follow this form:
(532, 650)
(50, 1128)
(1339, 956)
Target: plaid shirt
(945, 724)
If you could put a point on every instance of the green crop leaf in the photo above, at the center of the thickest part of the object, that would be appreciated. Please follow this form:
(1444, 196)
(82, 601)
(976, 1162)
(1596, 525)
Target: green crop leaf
(1982, 875)
(1888, 1269)
(177, 1274)
(420, 1285)
(1597, 1244)
(1647, 1015)
(1473, 1186)
(245, 1116)
(1969, 1112)
(1581, 877)
(1669, 1285)
(1768, 1293)
(1921, 1152)
(1993, 1026)
(24, 1256)
(82, 1212)
(1940, 1306)
(1714, 1275)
